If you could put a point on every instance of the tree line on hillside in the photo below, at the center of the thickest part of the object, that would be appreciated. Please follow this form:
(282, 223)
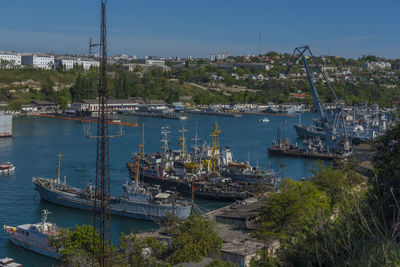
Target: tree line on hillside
(78, 84)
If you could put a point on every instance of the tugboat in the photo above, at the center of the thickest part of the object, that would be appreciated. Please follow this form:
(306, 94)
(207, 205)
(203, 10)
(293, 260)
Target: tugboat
(137, 201)
(35, 237)
(6, 168)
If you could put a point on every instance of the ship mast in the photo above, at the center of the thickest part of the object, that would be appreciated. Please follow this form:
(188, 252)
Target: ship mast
(215, 146)
(59, 167)
(142, 138)
(138, 165)
(164, 139)
(183, 142)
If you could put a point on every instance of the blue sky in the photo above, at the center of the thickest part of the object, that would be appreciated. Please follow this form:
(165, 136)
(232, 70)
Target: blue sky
(349, 28)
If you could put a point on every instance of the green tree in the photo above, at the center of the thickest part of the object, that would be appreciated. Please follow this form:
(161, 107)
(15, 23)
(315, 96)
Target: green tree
(220, 263)
(195, 239)
(335, 182)
(136, 251)
(77, 246)
(292, 212)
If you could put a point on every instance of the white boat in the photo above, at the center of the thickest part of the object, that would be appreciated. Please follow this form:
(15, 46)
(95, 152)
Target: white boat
(6, 168)
(264, 120)
(35, 237)
(8, 262)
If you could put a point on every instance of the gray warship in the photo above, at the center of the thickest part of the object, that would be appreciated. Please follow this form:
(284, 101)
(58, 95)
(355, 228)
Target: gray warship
(137, 201)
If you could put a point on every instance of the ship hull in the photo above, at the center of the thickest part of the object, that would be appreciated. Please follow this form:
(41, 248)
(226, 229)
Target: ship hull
(252, 179)
(185, 189)
(298, 153)
(119, 206)
(305, 132)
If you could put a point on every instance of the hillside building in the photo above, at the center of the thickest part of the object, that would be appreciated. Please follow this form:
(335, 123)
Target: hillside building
(69, 63)
(10, 60)
(38, 61)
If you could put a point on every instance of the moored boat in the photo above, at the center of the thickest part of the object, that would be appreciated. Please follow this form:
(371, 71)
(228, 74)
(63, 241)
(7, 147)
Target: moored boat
(137, 201)
(6, 168)
(35, 237)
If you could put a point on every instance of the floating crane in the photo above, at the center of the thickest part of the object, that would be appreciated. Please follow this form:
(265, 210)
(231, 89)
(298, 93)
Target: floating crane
(332, 123)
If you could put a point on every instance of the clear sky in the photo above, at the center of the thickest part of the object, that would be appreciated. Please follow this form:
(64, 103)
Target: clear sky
(182, 28)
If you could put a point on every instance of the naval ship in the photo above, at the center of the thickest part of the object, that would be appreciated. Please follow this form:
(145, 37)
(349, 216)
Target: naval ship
(137, 201)
(35, 237)
(207, 172)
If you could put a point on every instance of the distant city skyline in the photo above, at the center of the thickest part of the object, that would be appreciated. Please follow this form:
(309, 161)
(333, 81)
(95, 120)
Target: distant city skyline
(185, 28)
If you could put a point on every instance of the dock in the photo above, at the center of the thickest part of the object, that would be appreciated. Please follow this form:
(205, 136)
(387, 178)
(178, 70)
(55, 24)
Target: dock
(170, 116)
(128, 124)
(214, 113)
(262, 113)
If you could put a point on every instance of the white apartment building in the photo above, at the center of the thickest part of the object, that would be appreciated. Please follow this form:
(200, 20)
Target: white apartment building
(10, 60)
(219, 56)
(222, 56)
(154, 62)
(38, 61)
(378, 65)
(212, 57)
(69, 63)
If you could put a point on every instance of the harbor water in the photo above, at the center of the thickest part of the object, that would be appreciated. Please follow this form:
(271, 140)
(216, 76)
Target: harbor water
(36, 142)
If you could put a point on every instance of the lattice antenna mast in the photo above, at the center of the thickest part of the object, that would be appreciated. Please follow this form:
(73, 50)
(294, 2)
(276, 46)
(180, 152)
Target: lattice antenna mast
(102, 198)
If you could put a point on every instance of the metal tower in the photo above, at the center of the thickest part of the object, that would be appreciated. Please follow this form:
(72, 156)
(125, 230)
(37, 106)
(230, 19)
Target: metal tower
(102, 211)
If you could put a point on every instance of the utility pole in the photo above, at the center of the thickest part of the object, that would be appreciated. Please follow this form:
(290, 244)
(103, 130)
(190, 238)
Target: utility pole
(259, 44)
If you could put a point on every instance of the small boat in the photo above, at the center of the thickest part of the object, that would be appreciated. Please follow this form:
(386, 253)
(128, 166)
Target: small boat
(6, 168)
(35, 237)
(264, 120)
(8, 262)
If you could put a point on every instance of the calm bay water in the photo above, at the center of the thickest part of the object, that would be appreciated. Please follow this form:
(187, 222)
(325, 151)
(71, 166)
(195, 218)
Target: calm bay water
(36, 142)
